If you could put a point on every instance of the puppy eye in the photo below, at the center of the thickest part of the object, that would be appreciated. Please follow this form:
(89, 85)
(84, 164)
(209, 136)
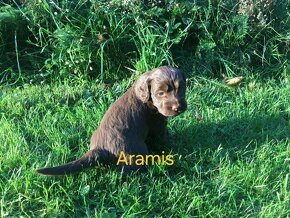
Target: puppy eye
(170, 88)
(160, 94)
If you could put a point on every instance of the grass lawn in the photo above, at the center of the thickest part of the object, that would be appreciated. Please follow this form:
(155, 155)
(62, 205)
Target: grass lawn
(231, 151)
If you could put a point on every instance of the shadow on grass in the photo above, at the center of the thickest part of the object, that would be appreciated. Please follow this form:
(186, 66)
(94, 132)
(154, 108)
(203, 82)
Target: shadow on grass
(197, 144)
(236, 136)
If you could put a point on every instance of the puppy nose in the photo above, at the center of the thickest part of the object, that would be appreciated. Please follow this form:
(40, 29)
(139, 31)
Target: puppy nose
(175, 108)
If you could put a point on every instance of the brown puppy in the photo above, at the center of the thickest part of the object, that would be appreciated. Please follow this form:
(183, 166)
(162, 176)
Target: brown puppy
(138, 113)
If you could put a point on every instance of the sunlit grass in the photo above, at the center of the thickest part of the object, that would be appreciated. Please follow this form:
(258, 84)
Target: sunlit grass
(62, 63)
(231, 161)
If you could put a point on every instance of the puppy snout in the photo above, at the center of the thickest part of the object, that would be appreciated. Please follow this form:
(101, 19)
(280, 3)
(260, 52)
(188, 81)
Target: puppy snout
(176, 107)
(179, 107)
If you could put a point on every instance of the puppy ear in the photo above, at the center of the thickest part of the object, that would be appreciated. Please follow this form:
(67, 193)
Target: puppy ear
(142, 87)
(183, 75)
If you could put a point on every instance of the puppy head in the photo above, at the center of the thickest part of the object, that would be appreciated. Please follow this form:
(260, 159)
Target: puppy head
(164, 88)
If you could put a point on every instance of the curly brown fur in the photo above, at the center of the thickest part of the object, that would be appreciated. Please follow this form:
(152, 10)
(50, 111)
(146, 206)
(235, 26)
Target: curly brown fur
(140, 112)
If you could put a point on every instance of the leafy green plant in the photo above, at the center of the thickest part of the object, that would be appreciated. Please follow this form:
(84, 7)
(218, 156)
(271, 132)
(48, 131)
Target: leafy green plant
(101, 39)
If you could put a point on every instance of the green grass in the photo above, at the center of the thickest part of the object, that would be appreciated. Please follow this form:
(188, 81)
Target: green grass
(58, 60)
(53, 40)
(234, 162)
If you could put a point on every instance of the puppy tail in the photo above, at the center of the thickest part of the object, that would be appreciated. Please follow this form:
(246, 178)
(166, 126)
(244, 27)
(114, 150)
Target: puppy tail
(87, 160)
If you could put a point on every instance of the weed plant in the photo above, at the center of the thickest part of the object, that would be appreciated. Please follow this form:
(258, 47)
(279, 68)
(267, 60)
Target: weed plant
(101, 39)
